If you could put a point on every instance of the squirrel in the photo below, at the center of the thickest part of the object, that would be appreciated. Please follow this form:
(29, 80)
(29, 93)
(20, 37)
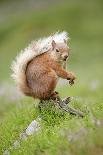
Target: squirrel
(37, 68)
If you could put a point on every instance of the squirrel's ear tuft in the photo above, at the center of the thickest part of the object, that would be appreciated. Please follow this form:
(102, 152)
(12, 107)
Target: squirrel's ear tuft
(53, 44)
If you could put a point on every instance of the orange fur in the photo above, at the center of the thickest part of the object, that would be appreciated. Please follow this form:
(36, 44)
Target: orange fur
(43, 71)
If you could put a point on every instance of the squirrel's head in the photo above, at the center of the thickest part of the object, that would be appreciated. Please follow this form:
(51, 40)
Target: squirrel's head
(60, 51)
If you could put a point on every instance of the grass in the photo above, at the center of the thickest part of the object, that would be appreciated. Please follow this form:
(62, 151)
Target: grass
(60, 133)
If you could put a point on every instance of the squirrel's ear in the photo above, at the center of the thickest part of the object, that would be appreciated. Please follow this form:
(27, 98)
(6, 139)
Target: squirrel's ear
(53, 44)
(65, 41)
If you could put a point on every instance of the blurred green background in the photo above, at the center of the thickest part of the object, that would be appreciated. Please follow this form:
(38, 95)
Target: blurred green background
(25, 20)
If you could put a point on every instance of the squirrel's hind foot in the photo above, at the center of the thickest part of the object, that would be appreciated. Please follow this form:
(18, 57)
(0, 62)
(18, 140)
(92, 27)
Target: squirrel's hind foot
(54, 95)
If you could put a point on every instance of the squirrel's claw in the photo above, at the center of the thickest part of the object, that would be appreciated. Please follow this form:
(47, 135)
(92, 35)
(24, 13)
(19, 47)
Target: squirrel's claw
(71, 82)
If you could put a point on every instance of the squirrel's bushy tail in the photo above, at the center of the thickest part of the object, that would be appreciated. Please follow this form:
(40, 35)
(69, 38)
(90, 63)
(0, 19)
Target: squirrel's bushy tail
(36, 48)
(19, 67)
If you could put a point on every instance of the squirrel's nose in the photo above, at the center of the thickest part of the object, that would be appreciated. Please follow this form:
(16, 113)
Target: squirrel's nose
(65, 57)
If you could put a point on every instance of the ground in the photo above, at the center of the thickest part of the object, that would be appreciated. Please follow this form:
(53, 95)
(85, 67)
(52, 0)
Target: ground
(60, 133)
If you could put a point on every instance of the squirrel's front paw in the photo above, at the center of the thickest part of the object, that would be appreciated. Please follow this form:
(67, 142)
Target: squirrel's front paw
(71, 78)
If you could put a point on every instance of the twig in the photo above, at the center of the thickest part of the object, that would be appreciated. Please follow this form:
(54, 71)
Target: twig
(64, 106)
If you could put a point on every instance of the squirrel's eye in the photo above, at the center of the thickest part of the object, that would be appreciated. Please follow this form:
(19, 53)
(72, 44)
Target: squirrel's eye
(57, 50)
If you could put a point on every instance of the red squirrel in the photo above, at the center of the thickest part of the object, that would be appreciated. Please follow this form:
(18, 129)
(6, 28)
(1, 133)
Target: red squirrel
(37, 69)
